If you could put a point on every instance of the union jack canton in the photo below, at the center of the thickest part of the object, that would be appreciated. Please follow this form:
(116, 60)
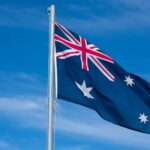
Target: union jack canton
(85, 51)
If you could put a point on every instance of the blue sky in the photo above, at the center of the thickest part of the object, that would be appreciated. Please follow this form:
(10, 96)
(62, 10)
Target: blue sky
(121, 28)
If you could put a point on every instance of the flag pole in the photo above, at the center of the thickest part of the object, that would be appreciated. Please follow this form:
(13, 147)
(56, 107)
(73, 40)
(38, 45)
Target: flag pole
(51, 13)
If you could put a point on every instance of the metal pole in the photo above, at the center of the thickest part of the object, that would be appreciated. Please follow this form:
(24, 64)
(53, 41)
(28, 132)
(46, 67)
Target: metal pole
(51, 13)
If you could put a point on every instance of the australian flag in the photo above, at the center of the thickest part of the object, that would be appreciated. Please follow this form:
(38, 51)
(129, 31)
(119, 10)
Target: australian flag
(89, 77)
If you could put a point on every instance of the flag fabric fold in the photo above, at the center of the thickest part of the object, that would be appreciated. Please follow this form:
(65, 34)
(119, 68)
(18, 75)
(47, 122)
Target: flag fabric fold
(89, 77)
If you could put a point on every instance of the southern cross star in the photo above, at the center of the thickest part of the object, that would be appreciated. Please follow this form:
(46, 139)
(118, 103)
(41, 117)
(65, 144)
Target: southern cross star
(143, 118)
(129, 81)
(85, 90)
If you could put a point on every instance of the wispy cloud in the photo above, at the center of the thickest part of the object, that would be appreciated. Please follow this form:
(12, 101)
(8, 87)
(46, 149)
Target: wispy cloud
(79, 147)
(29, 77)
(109, 16)
(32, 110)
(24, 94)
(97, 129)
(6, 146)
(3, 145)
(19, 83)
(27, 17)
(104, 17)
(89, 124)
(19, 75)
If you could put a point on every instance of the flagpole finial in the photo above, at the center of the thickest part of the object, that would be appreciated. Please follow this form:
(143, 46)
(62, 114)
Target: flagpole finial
(49, 10)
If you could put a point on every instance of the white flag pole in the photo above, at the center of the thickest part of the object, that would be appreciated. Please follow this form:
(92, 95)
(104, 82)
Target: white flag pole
(51, 13)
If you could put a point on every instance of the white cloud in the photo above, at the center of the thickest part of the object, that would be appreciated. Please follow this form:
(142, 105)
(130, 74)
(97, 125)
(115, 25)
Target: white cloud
(6, 146)
(23, 99)
(19, 75)
(34, 18)
(79, 147)
(87, 123)
(3, 145)
(20, 83)
(109, 16)
(29, 77)
(31, 112)
(104, 17)
(97, 131)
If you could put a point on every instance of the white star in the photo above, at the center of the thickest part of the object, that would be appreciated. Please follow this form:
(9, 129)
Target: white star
(129, 80)
(143, 118)
(85, 90)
